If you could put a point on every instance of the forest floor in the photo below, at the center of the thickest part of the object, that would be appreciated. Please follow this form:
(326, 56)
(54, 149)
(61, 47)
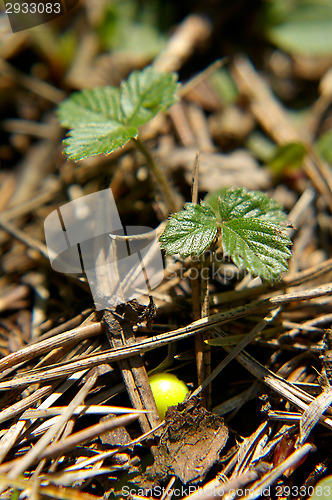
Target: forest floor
(70, 375)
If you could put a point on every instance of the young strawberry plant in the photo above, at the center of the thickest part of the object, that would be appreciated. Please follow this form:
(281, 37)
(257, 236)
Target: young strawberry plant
(249, 228)
(249, 225)
(104, 118)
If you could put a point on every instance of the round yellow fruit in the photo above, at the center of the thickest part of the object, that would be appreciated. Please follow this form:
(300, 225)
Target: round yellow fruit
(167, 390)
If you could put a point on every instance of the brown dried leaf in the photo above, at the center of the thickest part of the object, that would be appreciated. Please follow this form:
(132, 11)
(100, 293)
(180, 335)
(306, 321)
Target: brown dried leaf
(191, 443)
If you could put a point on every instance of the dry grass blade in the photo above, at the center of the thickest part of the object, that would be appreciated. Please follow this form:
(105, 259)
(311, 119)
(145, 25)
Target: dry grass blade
(199, 291)
(87, 434)
(160, 340)
(313, 414)
(133, 370)
(24, 404)
(34, 84)
(241, 345)
(84, 409)
(272, 476)
(50, 491)
(167, 495)
(72, 336)
(294, 279)
(274, 119)
(7, 300)
(37, 200)
(36, 452)
(9, 439)
(284, 416)
(193, 31)
(216, 489)
(108, 454)
(287, 390)
(24, 238)
(239, 400)
(247, 450)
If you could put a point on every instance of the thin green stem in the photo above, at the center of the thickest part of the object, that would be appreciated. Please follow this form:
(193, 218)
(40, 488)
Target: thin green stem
(159, 175)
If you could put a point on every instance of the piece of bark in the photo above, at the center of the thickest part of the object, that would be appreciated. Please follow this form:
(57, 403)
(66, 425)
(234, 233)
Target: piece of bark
(119, 324)
(190, 444)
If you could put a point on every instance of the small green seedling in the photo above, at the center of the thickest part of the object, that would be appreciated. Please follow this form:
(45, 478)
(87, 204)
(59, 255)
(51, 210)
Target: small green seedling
(105, 118)
(249, 225)
(167, 390)
(249, 228)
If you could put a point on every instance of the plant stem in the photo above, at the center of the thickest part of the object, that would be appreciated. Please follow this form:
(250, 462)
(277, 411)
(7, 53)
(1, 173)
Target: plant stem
(160, 177)
(206, 335)
(196, 291)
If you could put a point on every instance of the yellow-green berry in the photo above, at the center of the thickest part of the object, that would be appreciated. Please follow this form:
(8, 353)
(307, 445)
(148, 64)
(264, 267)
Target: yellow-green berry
(167, 390)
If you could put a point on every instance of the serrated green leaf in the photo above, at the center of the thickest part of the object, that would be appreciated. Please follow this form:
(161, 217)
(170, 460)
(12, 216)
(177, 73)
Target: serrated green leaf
(252, 233)
(95, 139)
(251, 229)
(256, 245)
(189, 232)
(239, 202)
(104, 118)
(145, 93)
(98, 105)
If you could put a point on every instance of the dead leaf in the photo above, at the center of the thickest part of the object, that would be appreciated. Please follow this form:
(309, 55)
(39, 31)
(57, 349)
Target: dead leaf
(190, 444)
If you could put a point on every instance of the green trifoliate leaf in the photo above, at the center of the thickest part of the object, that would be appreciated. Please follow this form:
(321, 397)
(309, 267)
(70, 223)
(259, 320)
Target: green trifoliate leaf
(191, 231)
(251, 228)
(252, 233)
(104, 118)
